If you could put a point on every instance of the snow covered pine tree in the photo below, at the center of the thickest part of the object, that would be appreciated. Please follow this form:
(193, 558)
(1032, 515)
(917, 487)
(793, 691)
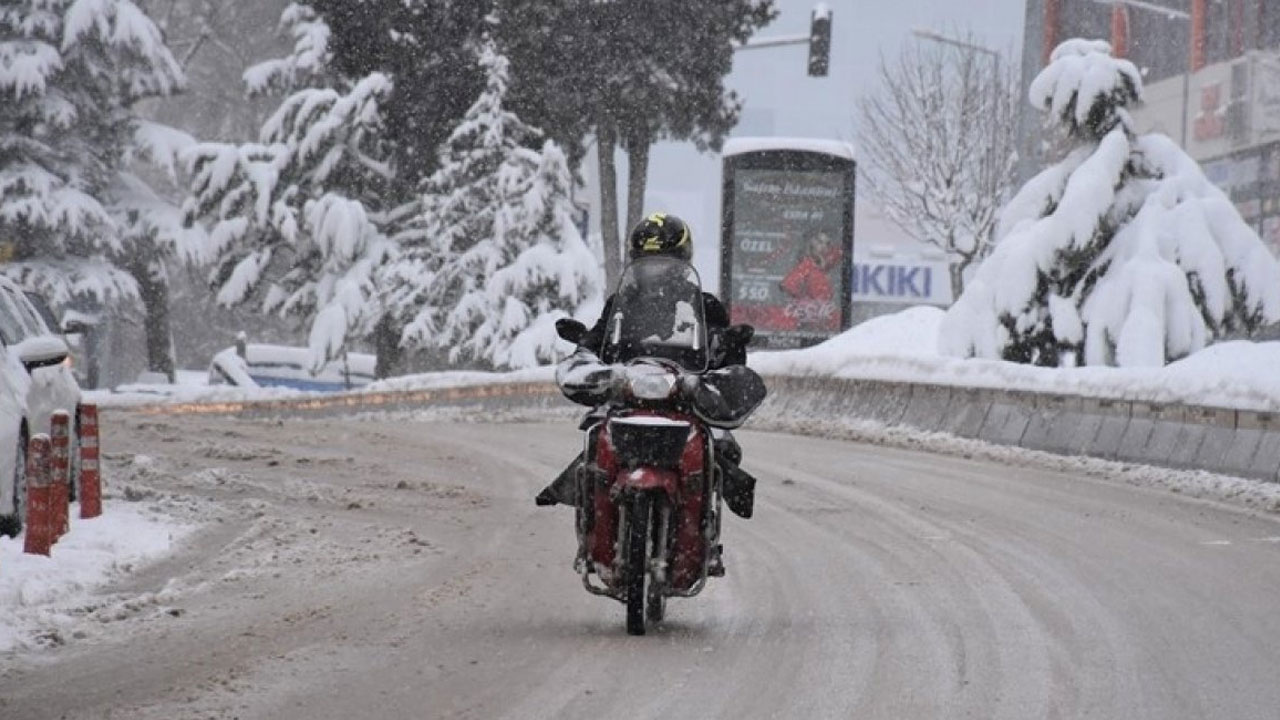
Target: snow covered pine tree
(74, 220)
(1121, 254)
(496, 258)
(302, 212)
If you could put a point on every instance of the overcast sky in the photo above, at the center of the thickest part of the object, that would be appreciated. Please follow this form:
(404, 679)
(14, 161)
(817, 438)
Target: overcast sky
(781, 100)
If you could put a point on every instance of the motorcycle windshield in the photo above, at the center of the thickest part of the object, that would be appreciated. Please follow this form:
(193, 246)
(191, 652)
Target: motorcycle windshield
(657, 313)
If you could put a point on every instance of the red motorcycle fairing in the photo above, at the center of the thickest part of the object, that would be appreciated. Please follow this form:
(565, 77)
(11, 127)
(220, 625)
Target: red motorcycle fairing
(686, 488)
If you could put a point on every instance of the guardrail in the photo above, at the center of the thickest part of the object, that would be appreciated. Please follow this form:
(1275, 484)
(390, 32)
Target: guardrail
(1224, 440)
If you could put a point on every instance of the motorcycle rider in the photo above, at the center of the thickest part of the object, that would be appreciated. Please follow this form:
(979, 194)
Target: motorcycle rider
(665, 234)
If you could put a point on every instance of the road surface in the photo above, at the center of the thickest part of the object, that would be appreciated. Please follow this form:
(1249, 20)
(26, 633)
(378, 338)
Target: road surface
(396, 569)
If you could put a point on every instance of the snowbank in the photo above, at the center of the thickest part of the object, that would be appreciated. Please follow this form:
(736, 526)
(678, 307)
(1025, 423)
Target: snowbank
(437, 380)
(903, 348)
(40, 594)
(193, 387)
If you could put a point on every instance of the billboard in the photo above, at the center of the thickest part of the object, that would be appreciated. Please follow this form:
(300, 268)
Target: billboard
(787, 238)
(901, 282)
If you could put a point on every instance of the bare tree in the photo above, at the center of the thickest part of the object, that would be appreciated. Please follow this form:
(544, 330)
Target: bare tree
(937, 145)
(215, 41)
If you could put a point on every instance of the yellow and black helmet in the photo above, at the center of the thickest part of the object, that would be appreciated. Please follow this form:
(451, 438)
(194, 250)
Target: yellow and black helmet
(661, 234)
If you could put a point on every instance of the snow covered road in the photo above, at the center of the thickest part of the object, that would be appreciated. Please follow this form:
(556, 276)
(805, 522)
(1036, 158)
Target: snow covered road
(394, 569)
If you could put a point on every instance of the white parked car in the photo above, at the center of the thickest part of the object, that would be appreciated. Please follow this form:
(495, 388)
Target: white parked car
(35, 381)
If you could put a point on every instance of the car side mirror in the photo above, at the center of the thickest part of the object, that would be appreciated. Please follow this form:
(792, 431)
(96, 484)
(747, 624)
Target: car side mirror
(570, 330)
(41, 351)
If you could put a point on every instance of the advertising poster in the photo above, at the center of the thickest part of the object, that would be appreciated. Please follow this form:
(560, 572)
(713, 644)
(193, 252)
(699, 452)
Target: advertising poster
(789, 251)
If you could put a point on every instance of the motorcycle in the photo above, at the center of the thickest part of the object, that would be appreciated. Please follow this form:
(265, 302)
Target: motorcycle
(650, 493)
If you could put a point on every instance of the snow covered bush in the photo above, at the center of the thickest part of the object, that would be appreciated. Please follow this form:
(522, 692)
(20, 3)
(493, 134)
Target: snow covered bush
(495, 258)
(300, 220)
(72, 215)
(1121, 254)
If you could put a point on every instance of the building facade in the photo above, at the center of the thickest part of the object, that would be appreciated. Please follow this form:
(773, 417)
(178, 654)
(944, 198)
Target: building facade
(1211, 76)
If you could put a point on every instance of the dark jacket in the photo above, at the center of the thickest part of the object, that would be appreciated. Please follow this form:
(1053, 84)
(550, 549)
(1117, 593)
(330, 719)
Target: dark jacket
(722, 354)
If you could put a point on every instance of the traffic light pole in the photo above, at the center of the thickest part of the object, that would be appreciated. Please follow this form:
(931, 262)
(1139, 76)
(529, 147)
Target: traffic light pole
(776, 41)
(818, 39)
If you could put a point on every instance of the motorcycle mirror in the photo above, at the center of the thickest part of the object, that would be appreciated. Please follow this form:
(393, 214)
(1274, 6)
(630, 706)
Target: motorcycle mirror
(74, 327)
(570, 330)
(741, 334)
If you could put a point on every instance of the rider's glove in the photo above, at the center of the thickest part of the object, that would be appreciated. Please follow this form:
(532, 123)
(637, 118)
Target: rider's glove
(689, 383)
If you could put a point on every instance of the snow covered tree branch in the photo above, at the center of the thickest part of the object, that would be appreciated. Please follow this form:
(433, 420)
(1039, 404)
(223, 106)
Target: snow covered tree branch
(1121, 254)
(293, 220)
(495, 258)
(937, 141)
(81, 224)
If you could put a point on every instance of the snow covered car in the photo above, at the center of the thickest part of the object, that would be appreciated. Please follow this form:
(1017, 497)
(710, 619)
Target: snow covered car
(262, 365)
(35, 381)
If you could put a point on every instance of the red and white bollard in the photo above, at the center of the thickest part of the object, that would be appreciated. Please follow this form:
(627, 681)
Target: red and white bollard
(90, 479)
(60, 470)
(39, 534)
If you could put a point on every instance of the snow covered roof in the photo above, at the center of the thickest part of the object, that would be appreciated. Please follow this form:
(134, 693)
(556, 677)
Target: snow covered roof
(739, 145)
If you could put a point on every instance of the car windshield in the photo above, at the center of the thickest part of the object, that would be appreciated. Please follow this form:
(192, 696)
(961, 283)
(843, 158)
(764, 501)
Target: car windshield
(658, 312)
(31, 320)
(14, 325)
(48, 320)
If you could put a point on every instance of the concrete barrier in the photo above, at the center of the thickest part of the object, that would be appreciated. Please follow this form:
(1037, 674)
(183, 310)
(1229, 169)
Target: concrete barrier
(889, 403)
(1137, 432)
(967, 412)
(1007, 419)
(1251, 432)
(928, 406)
(1167, 430)
(1081, 430)
(1186, 445)
(851, 397)
(1049, 426)
(1265, 463)
(1112, 422)
(1219, 435)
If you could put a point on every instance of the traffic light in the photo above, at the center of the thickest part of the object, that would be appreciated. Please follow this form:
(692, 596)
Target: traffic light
(820, 41)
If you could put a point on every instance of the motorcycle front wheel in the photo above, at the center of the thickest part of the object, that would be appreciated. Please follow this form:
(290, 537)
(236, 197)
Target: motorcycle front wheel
(639, 514)
(659, 520)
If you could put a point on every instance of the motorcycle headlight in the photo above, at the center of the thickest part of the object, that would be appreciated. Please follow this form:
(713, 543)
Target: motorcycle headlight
(652, 385)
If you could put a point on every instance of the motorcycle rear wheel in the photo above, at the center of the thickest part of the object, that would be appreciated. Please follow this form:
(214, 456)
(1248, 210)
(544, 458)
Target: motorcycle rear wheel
(637, 570)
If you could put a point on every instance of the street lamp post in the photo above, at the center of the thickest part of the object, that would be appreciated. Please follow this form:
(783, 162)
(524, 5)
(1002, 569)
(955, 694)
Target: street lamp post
(996, 90)
(926, 34)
